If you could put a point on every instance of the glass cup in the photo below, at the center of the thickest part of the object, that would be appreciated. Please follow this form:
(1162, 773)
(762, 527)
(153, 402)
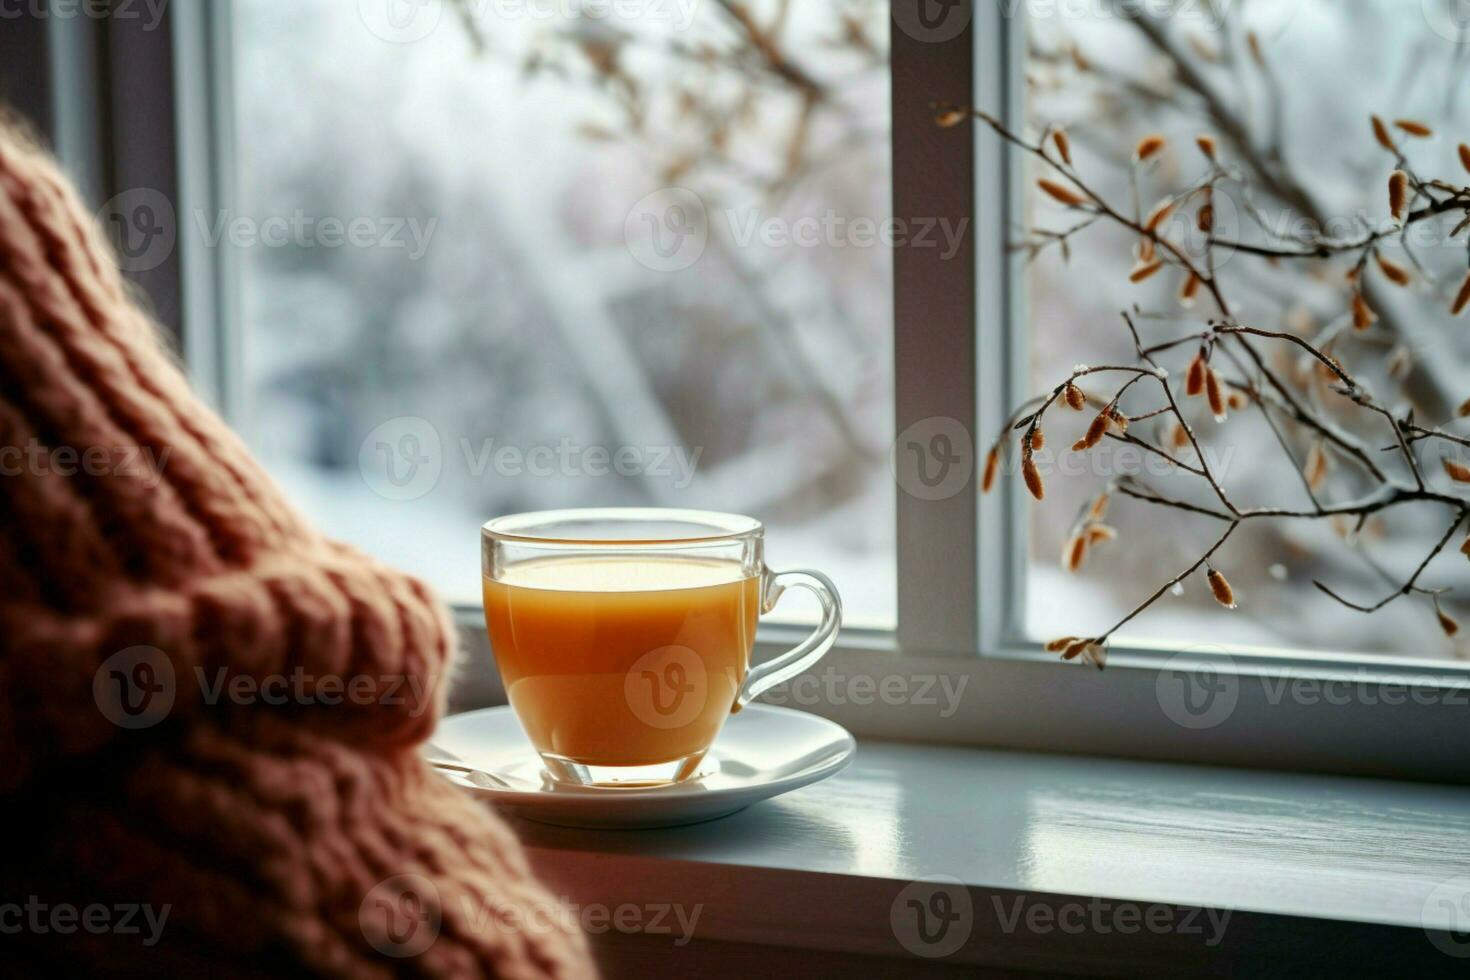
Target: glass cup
(624, 635)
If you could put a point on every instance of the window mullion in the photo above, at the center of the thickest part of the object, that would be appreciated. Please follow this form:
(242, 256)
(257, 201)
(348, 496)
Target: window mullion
(204, 111)
(999, 57)
(934, 346)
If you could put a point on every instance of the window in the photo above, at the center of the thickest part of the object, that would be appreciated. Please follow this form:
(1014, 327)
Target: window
(501, 257)
(1286, 88)
(395, 212)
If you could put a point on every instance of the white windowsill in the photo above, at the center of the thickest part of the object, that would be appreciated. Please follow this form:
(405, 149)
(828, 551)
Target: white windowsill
(1330, 719)
(1315, 870)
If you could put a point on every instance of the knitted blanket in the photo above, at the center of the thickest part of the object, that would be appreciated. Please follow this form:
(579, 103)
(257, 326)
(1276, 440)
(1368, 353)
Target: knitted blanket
(208, 711)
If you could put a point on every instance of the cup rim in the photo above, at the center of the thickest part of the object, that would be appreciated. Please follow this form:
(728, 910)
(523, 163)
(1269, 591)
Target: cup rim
(520, 527)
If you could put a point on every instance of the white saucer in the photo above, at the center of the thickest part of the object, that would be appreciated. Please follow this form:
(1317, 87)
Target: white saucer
(762, 752)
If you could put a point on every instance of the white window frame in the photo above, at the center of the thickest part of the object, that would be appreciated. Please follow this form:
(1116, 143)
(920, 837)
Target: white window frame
(1284, 714)
(961, 351)
(960, 561)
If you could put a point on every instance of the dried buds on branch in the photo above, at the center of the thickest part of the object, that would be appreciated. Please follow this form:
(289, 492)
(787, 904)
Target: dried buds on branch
(1231, 369)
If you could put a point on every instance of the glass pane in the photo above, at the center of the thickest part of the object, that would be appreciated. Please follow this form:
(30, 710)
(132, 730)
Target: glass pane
(505, 257)
(1284, 89)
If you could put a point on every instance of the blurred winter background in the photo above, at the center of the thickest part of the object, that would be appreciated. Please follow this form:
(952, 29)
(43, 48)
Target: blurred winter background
(529, 322)
(1287, 87)
(758, 379)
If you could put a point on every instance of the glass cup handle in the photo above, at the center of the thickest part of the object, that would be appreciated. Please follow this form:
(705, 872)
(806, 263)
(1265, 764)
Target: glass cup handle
(763, 677)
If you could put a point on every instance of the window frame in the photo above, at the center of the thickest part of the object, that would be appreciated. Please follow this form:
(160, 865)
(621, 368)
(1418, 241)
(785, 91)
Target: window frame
(1269, 727)
(960, 561)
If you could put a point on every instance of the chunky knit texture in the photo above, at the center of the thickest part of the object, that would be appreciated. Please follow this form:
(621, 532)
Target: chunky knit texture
(266, 829)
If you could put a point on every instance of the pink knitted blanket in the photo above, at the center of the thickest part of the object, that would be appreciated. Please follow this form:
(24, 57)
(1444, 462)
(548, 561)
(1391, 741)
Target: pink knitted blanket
(294, 833)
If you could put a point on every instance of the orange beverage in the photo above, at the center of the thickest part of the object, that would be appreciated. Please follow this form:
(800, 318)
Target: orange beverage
(622, 660)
